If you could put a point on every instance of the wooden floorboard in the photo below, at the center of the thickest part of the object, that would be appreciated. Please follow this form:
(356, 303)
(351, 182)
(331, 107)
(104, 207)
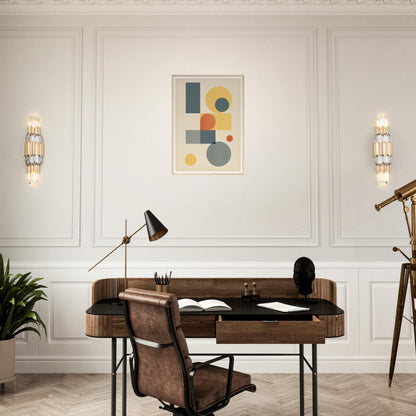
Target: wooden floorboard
(277, 394)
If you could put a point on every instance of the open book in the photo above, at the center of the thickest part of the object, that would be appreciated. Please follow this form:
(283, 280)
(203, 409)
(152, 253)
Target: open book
(203, 305)
(282, 307)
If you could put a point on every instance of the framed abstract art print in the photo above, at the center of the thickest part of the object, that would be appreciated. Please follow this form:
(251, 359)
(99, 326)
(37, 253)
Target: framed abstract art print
(207, 114)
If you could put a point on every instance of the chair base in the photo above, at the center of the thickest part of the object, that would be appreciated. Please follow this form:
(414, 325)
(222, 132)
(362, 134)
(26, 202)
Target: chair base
(178, 411)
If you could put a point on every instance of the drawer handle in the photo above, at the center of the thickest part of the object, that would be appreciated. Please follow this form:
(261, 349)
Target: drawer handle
(270, 322)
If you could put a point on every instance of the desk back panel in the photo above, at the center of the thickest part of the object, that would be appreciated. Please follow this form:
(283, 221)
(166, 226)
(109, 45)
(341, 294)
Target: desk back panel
(216, 287)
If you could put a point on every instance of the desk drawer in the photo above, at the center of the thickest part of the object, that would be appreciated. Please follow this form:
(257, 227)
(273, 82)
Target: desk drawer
(261, 332)
(198, 326)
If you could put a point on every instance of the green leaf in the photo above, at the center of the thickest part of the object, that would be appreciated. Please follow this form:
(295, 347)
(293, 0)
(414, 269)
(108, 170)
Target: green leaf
(7, 267)
(27, 328)
(19, 294)
(7, 324)
(1, 267)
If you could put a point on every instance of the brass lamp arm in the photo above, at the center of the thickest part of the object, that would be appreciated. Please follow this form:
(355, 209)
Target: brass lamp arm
(125, 240)
(112, 251)
(144, 225)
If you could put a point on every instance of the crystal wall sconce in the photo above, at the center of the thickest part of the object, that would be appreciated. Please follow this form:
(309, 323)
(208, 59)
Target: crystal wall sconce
(33, 150)
(382, 149)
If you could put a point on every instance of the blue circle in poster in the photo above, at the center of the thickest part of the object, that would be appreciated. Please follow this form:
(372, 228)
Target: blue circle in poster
(222, 104)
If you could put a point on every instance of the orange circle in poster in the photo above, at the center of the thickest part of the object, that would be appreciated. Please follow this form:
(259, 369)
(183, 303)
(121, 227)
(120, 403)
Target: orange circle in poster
(190, 159)
(207, 122)
(230, 138)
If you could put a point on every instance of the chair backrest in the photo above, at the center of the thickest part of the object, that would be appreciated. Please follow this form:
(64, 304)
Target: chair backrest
(162, 359)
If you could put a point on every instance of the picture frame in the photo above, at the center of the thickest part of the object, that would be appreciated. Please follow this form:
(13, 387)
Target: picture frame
(207, 124)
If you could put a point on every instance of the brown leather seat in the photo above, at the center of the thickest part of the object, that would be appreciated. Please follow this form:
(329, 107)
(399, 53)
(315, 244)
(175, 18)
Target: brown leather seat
(161, 366)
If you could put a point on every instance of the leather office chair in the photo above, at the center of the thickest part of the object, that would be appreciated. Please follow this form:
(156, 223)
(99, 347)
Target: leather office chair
(160, 365)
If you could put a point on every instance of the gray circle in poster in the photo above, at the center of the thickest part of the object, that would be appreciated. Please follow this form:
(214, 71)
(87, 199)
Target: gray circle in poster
(218, 154)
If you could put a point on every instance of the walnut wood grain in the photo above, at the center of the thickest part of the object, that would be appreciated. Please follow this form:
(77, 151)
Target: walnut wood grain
(216, 287)
(98, 325)
(198, 326)
(334, 325)
(260, 332)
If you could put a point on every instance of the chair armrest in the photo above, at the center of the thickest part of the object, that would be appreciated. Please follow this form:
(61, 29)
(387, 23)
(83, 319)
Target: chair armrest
(197, 366)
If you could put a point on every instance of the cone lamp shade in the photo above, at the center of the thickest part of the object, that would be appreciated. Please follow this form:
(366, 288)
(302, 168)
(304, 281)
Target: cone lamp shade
(155, 228)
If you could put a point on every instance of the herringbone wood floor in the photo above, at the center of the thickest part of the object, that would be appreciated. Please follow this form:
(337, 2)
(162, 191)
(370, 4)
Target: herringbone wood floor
(277, 394)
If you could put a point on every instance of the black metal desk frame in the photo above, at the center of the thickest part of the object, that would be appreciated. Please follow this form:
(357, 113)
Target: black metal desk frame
(302, 360)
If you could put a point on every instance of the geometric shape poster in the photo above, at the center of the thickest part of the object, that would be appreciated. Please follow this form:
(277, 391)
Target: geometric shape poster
(207, 117)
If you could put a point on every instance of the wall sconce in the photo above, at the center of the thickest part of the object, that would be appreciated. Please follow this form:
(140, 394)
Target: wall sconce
(33, 149)
(382, 149)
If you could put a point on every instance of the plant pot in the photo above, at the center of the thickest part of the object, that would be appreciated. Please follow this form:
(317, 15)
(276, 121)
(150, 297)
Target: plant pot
(7, 351)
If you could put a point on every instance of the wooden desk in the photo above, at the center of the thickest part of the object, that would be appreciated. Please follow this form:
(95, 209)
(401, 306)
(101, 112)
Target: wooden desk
(245, 324)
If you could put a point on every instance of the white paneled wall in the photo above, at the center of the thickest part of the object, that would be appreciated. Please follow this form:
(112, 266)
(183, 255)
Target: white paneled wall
(41, 74)
(101, 84)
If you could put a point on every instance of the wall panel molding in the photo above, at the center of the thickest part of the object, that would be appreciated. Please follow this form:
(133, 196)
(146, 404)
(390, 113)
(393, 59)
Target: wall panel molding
(305, 237)
(341, 237)
(52, 237)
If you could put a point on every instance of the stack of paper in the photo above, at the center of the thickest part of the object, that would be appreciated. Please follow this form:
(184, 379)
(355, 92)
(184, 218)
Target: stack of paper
(282, 307)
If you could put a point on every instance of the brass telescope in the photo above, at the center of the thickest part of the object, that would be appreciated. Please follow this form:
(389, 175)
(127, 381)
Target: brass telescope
(400, 194)
(408, 270)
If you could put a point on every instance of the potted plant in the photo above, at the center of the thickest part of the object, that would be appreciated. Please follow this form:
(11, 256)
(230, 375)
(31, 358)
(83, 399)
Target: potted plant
(18, 295)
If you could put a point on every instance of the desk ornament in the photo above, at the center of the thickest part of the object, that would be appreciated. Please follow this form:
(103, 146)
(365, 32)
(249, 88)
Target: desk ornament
(255, 294)
(304, 275)
(246, 294)
(162, 282)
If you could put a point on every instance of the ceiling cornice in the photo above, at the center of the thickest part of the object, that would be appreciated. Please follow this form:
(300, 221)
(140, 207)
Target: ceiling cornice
(206, 2)
(208, 7)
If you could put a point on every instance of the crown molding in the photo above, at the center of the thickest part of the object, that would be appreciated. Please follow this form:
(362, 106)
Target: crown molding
(208, 7)
(206, 2)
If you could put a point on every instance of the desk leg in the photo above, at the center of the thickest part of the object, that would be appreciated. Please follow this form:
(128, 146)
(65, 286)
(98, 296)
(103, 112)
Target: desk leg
(314, 380)
(301, 381)
(113, 375)
(124, 402)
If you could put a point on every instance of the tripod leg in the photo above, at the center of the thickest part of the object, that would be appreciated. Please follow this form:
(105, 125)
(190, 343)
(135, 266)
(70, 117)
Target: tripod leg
(401, 298)
(413, 296)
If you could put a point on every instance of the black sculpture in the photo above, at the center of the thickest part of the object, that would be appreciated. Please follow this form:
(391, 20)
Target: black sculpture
(304, 275)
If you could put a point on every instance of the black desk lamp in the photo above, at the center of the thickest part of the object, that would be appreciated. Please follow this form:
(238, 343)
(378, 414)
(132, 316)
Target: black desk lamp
(155, 230)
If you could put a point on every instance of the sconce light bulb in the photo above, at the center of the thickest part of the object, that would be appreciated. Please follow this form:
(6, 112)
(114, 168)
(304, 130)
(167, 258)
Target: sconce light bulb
(383, 174)
(33, 178)
(382, 124)
(33, 125)
(33, 174)
(383, 178)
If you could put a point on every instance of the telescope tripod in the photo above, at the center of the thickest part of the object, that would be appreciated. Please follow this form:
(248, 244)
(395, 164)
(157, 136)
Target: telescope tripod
(408, 272)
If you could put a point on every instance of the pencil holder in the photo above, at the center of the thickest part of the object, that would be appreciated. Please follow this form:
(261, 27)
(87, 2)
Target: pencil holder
(162, 288)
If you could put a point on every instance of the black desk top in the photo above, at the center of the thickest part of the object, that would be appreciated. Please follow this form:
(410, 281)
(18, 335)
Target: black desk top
(240, 309)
